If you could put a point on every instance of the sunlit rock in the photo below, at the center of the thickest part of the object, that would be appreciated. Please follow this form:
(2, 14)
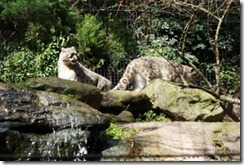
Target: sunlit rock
(177, 141)
(183, 103)
(86, 93)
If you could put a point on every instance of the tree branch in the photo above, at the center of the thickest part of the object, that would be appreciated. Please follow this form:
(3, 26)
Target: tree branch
(216, 51)
(182, 55)
(194, 6)
(187, 27)
(73, 5)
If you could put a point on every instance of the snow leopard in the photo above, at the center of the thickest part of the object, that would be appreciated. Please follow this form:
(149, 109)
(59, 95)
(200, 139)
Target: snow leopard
(69, 68)
(141, 71)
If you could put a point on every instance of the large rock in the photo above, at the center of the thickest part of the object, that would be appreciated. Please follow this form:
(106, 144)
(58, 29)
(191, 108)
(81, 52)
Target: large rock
(46, 109)
(116, 101)
(86, 93)
(177, 141)
(183, 103)
(31, 119)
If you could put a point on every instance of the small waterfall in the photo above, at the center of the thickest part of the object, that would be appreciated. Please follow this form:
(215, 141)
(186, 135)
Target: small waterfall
(80, 155)
(68, 144)
(59, 145)
(46, 126)
(81, 151)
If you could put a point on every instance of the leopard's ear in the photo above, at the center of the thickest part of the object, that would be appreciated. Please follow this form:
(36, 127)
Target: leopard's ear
(73, 47)
(62, 49)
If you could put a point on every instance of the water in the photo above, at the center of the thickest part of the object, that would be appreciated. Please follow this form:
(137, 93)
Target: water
(31, 130)
(68, 144)
(80, 155)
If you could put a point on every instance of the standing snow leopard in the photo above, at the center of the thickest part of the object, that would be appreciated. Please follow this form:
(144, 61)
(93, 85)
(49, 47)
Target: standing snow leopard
(141, 71)
(69, 68)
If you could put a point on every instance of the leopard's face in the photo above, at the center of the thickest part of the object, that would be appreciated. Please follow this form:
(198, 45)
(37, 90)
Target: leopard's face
(190, 74)
(69, 56)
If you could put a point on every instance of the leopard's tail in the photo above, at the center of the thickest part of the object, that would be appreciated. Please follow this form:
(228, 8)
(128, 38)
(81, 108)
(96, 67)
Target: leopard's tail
(126, 79)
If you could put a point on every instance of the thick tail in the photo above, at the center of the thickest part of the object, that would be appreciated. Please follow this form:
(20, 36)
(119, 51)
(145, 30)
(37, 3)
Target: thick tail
(125, 79)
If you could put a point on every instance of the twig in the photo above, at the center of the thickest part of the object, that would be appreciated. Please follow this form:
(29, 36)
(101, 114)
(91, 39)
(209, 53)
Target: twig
(194, 6)
(74, 5)
(187, 27)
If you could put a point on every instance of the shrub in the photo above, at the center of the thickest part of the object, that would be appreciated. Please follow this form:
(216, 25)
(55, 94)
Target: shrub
(90, 36)
(95, 45)
(18, 66)
(117, 132)
(27, 23)
(21, 65)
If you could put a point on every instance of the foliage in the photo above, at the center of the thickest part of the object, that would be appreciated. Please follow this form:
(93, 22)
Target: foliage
(166, 39)
(117, 132)
(115, 49)
(91, 40)
(223, 150)
(230, 78)
(90, 36)
(18, 66)
(116, 27)
(27, 23)
(162, 47)
(169, 21)
(95, 45)
(24, 64)
(152, 116)
(107, 33)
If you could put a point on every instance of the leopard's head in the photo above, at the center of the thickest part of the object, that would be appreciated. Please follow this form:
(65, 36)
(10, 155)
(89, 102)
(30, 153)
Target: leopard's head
(69, 56)
(190, 74)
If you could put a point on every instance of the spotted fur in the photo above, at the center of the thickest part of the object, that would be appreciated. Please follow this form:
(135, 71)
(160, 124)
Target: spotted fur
(141, 71)
(69, 68)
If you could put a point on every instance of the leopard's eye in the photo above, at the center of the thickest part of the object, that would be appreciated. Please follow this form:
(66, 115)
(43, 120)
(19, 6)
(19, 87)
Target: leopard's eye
(72, 55)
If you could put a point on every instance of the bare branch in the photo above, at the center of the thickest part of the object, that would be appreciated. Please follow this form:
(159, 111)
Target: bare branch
(185, 32)
(195, 7)
(73, 5)
(217, 54)
(187, 27)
